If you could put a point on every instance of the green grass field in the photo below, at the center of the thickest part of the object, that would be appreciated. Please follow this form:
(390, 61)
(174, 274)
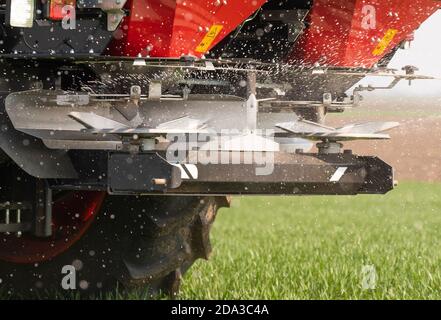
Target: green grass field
(316, 247)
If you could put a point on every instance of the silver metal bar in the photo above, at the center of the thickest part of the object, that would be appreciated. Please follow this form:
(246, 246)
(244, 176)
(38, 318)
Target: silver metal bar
(19, 233)
(43, 214)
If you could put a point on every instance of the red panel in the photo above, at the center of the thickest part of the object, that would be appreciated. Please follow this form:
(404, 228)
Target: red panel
(341, 32)
(149, 26)
(168, 28)
(56, 8)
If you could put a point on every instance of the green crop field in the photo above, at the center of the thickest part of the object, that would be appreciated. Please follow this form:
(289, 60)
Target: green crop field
(317, 247)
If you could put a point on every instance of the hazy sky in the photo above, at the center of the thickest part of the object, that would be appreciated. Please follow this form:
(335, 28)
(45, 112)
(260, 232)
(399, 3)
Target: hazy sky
(424, 53)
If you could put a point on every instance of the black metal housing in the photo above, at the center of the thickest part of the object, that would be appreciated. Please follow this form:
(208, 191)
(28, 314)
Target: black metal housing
(293, 174)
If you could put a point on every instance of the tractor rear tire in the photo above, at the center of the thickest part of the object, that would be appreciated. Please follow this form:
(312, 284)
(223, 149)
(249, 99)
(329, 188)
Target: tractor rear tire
(135, 242)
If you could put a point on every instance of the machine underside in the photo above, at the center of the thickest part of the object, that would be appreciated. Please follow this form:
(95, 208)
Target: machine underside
(130, 128)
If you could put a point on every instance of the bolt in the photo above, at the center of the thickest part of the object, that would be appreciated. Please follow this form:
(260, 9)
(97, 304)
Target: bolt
(159, 181)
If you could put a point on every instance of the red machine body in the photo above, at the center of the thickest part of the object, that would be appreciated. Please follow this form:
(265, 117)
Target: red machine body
(359, 33)
(172, 28)
(347, 33)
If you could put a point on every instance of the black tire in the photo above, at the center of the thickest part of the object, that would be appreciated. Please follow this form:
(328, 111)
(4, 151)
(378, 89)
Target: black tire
(134, 242)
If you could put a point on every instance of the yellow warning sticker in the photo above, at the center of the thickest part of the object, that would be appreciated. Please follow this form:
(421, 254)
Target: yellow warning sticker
(384, 43)
(209, 38)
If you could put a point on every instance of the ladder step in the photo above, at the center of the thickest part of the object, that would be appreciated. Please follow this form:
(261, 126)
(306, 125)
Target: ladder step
(11, 217)
(15, 227)
(15, 206)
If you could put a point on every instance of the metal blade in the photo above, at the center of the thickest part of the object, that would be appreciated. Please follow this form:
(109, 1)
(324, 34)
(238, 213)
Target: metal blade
(183, 123)
(93, 121)
(301, 126)
(360, 131)
(128, 109)
(368, 127)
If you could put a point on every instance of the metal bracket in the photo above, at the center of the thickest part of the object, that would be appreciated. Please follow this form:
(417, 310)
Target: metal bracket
(329, 147)
(113, 8)
(141, 172)
(252, 105)
(43, 210)
(155, 90)
(114, 18)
